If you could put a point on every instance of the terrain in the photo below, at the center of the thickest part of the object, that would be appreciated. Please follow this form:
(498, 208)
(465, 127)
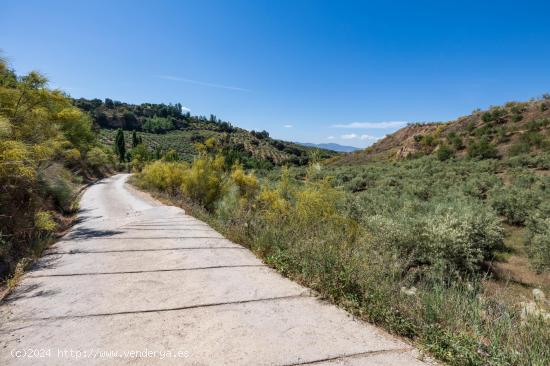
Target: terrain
(137, 275)
(166, 127)
(502, 131)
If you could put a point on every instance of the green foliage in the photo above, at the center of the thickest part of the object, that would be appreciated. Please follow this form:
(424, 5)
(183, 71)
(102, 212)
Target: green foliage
(42, 138)
(204, 182)
(77, 128)
(496, 114)
(513, 203)
(444, 152)
(135, 139)
(120, 146)
(455, 141)
(138, 156)
(164, 176)
(427, 141)
(237, 147)
(158, 124)
(519, 148)
(59, 183)
(538, 243)
(537, 124)
(247, 183)
(171, 155)
(98, 158)
(529, 140)
(482, 149)
(43, 221)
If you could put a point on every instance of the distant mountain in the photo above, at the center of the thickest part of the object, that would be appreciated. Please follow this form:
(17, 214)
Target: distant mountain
(331, 146)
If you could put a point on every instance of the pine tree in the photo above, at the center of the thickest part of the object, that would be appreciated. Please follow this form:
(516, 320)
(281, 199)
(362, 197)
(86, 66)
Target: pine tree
(120, 145)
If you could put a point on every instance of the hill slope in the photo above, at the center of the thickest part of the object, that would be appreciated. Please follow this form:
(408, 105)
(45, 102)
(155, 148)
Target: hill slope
(515, 128)
(164, 127)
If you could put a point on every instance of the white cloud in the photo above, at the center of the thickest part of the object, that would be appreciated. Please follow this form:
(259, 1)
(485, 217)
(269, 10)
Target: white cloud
(288, 126)
(203, 83)
(330, 138)
(354, 136)
(185, 110)
(369, 138)
(386, 124)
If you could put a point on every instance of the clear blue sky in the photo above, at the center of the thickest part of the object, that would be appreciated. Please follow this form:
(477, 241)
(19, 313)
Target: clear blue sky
(306, 65)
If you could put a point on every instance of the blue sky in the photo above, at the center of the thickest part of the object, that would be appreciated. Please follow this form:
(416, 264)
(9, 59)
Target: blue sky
(312, 71)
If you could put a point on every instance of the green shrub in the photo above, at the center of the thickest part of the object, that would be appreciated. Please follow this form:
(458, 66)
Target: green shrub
(247, 183)
(538, 243)
(478, 185)
(44, 222)
(482, 149)
(519, 148)
(455, 141)
(57, 183)
(164, 176)
(487, 117)
(513, 203)
(447, 242)
(204, 182)
(444, 152)
(357, 184)
(138, 156)
(158, 124)
(517, 117)
(97, 157)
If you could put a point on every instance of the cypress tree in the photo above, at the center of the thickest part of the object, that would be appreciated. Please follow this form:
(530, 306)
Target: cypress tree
(120, 145)
(135, 139)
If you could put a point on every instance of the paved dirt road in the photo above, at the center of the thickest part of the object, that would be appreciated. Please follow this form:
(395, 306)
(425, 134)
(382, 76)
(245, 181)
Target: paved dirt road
(140, 283)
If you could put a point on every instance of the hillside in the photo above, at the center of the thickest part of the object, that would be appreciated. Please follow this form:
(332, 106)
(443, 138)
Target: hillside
(502, 131)
(164, 127)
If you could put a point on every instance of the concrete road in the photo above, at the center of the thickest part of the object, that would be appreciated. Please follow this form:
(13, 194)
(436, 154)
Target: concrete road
(137, 282)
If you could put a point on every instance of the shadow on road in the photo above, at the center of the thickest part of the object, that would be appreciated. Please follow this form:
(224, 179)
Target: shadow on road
(82, 233)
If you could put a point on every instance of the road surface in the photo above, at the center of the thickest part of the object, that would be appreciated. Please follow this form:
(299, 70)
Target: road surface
(136, 282)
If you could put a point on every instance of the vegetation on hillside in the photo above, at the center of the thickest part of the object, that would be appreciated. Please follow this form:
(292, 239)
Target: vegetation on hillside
(47, 149)
(500, 132)
(410, 245)
(166, 127)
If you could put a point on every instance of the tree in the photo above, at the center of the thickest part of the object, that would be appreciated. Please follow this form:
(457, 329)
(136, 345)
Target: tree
(120, 145)
(135, 139)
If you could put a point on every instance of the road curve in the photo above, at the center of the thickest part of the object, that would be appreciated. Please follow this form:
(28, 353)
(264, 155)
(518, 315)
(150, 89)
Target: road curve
(137, 282)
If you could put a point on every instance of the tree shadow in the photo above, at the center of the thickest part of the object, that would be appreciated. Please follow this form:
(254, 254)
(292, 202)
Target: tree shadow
(46, 262)
(27, 291)
(82, 233)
